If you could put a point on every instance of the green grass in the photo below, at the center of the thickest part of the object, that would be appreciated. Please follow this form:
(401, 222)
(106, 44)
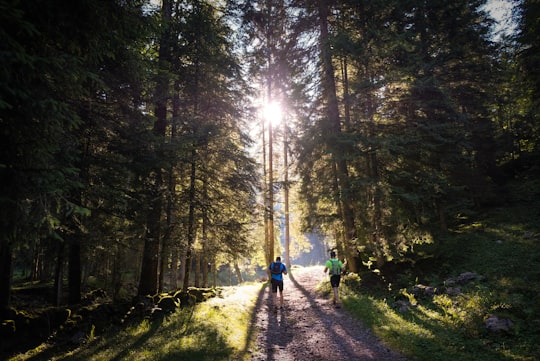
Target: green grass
(504, 248)
(218, 329)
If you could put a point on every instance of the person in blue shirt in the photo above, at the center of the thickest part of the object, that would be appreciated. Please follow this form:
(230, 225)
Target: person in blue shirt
(277, 269)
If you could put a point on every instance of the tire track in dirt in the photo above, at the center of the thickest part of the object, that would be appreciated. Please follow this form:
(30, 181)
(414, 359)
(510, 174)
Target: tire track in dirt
(310, 328)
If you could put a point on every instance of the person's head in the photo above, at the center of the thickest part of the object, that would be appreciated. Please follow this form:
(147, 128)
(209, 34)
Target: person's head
(333, 254)
(278, 259)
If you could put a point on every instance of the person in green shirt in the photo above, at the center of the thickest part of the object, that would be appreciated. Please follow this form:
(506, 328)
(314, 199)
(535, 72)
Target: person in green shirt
(334, 267)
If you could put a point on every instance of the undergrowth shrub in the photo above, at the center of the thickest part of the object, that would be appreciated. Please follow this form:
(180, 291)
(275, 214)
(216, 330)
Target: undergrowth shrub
(353, 282)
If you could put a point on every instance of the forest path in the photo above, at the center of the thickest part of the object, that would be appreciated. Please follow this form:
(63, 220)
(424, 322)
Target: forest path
(310, 328)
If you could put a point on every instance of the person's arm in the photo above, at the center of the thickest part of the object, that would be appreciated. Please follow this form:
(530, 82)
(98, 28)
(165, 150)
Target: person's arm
(325, 267)
(284, 269)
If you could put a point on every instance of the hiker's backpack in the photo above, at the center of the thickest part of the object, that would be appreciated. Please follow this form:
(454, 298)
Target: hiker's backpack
(276, 268)
(336, 268)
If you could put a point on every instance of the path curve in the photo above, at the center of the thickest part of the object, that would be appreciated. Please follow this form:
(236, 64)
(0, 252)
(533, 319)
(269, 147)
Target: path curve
(310, 328)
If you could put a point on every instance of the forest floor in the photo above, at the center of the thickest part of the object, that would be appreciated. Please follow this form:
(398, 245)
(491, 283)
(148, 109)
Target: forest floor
(310, 328)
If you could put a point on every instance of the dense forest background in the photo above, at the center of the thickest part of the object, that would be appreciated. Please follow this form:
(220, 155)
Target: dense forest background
(136, 156)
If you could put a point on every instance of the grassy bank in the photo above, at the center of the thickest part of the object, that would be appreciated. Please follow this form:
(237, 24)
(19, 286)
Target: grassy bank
(214, 330)
(503, 247)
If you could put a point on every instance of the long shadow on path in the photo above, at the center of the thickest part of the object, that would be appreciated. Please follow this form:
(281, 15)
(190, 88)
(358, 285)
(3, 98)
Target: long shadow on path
(349, 336)
(266, 325)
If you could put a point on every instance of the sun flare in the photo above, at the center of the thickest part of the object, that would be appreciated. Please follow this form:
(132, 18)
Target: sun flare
(273, 113)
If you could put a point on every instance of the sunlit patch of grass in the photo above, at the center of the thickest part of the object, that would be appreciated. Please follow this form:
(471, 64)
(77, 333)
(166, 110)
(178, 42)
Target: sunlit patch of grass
(389, 326)
(422, 333)
(396, 325)
(139, 330)
(214, 330)
(231, 314)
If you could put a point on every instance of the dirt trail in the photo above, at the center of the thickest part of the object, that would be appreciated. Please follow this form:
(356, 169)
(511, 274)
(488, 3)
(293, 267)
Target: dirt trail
(310, 328)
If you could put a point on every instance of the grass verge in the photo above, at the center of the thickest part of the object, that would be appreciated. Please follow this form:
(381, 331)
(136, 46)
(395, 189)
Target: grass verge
(504, 248)
(218, 329)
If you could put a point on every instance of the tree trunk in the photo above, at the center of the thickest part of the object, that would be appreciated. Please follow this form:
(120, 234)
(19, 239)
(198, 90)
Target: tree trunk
(333, 127)
(197, 269)
(270, 209)
(169, 244)
(205, 248)
(238, 272)
(59, 275)
(206, 269)
(163, 262)
(5, 274)
(346, 96)
(191, 218)
(265, 201)
(379, 243)
(166, 248)
(149, 271)
(378, 239)
(286, 196)
(8, 222)
(74, 270)
(148, 283)
(174, 267)
(117, 271)
(214, 273)
(182, 269)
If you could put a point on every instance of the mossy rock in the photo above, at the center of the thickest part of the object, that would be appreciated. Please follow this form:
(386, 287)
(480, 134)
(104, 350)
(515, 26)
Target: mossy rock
(187, 299)
(202, 294)
(168, 304)
(7, 329)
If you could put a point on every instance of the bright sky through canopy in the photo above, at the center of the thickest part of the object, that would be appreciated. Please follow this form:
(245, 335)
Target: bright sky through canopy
(501, 11)
(272, 113)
